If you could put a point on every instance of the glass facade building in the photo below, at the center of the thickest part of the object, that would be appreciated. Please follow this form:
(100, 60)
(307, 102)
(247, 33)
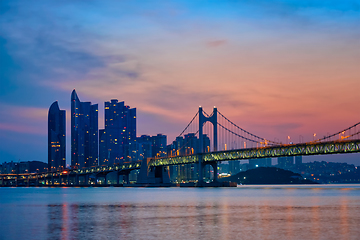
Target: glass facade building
(119, 133)
(148, 146)
(84, 133)
(56, 138)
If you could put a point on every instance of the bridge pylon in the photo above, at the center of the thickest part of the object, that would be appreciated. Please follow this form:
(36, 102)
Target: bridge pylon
(202, 120)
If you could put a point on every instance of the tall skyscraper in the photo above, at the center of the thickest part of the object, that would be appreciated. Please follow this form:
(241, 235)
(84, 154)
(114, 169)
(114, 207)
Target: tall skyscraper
(84, 133)
(119, 133)
(159, 145)
(56, 138)
(104, 154)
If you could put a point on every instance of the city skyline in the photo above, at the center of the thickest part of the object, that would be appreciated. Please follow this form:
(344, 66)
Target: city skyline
(278, 69)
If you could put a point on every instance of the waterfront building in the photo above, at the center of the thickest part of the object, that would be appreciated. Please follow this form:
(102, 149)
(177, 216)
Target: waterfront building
(84, 133)
(234, 167)
(119, 133)
(9, 167)
(159, 145)
(56, 138)
(189, 144)
(259, 162)
(298, 160)
(104, 154)
(148, 146)
(223, 167)
(285, 162)
(141, 148)
(23, 167)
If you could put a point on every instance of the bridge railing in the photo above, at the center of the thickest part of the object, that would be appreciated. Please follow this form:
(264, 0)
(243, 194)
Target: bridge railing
(116, 167)
(312, 148)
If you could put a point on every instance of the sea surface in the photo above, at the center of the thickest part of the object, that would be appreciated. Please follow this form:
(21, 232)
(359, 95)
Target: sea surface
(245, 212)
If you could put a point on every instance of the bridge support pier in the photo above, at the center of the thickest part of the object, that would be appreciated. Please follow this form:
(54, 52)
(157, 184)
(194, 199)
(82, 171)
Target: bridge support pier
(201, 170)
(87, 176)
(96, 179)
(126, 178)
(86, 179)
(214, 165)
(76, 180)
(153, 175)
(215, 169)
(117, 178)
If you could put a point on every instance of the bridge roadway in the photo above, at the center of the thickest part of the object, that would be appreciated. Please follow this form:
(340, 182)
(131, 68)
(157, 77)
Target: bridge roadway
(63, 177)
(305, 149)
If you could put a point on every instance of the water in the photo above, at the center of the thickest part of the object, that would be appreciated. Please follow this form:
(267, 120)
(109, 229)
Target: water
(246, 212)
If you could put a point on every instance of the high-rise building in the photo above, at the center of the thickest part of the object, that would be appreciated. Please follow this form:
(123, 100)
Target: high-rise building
(104, 154)
(56, 138)
(141, 148)
(84, 133)
(159, 145)
(148, 146)
(119, 133)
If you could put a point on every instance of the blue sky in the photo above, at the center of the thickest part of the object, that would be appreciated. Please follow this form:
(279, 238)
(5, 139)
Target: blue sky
(276, 68)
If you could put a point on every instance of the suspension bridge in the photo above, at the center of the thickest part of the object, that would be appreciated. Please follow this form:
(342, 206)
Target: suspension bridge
(239, 144)
(217, 139)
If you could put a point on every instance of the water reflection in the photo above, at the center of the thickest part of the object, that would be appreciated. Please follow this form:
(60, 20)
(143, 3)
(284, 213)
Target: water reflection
(240, 213)
(208, 221)
(344, 218)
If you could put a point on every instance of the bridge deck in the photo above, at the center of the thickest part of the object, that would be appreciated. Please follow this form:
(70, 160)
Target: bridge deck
(333, 147)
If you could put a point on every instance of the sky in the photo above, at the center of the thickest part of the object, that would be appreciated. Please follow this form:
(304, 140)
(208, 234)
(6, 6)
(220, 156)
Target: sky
(275, 68)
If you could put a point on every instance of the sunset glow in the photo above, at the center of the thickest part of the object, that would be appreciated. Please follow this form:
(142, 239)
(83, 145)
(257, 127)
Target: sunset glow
(277, 69)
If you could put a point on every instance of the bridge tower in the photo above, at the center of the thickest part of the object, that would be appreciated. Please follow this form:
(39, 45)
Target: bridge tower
(202, 120)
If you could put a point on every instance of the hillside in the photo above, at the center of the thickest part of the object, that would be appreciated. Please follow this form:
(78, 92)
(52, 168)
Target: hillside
(267, 175)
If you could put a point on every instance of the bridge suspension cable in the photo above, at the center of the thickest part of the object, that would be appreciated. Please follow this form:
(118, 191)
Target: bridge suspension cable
(191, 128)
(339, 133)
(263, 140)
(238, 134)
(197, 113)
